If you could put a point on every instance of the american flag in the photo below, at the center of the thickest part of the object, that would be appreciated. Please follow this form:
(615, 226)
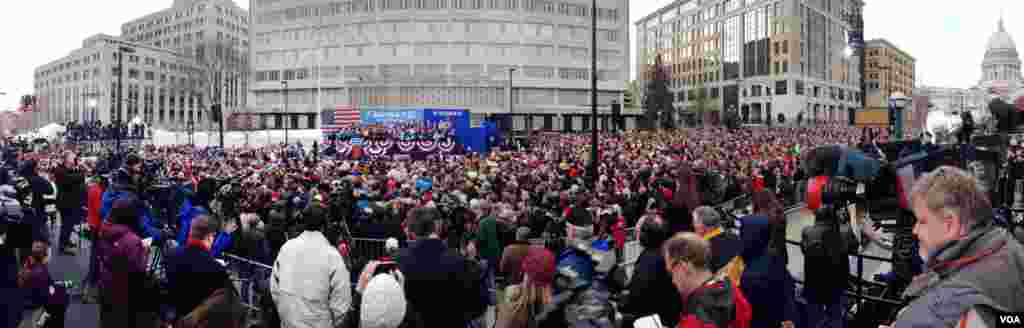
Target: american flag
(342, 117)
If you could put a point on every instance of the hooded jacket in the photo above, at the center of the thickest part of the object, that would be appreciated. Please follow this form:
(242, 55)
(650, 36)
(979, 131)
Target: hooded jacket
(717, 304)
(765, 280)
(121, 262)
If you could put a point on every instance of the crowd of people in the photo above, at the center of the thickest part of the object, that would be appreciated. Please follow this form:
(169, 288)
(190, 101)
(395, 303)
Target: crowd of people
(395, 131)
(98, 131)
(456, 230)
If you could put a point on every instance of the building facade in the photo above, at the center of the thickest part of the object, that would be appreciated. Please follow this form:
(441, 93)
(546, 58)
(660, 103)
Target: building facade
(888, 70)
(187, 57)
(765, 59)
(470, 54)
(82, 86)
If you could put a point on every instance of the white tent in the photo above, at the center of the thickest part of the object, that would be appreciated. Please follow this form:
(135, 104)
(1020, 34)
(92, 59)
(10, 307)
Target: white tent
(50, 131)
(236, 138)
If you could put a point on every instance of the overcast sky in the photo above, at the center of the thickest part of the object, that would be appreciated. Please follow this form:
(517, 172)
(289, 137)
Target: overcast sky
(947, 37)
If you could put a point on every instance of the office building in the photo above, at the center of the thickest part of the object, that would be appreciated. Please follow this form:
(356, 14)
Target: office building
(160, 85)
(469, 54)
(187, 58)
(767, 59)
(889, 70)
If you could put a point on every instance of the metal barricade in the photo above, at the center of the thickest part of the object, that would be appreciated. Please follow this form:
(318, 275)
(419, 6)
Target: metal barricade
(251, 279)
(366, 249)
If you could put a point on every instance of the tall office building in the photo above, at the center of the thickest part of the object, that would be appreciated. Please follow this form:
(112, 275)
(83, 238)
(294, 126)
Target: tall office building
(889, 70)
(437, 54)
(183, 59)
(765, 59)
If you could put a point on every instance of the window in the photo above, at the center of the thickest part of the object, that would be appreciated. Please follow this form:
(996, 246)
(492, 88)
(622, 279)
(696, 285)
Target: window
(780, 87)
(799, 87)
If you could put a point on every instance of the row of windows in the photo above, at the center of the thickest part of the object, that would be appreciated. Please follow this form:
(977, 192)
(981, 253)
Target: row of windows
(781, 88)
(433, 30)
(451, 96)
(289, 15)
(87, 74)
(404, 71)
(236, 20)
(305, 56)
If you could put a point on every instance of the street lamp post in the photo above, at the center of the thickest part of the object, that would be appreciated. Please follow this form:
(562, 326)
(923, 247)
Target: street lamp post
(191, 132)
(93, 102)
(120, 95)
(284, 87)
(510, 104)
(897, 102)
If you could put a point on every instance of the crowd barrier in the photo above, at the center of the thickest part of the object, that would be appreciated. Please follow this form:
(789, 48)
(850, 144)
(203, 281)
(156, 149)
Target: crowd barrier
(252, 281)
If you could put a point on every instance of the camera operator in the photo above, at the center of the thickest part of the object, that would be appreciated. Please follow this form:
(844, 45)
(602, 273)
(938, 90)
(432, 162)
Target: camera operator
(71, 195)
(125, 183)
(826, 259)
(973, 267)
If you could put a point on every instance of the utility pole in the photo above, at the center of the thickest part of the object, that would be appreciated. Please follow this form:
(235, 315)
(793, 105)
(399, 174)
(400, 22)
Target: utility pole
(593, 94)
(287, 120)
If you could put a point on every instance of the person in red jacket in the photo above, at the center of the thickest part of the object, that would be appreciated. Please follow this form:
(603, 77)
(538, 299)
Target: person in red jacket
(709, 301)
(94, 202)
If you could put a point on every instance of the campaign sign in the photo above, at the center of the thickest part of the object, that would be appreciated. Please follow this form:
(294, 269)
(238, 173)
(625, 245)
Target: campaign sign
(385, 116)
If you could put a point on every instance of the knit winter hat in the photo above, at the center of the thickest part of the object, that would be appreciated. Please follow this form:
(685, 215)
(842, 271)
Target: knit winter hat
(384, 303)
(539, 265)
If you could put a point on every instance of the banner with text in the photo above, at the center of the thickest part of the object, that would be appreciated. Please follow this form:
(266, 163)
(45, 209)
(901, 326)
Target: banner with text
(389, 116)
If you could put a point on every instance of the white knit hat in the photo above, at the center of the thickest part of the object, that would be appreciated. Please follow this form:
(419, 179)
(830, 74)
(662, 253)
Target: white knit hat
(384, 303)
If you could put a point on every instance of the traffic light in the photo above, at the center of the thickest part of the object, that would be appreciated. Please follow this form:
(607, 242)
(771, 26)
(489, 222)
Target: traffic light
(215, 113)
(627, 98)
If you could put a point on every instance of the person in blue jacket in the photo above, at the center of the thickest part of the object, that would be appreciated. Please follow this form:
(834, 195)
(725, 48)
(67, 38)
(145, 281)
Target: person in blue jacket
(124, 186)
(185, 216)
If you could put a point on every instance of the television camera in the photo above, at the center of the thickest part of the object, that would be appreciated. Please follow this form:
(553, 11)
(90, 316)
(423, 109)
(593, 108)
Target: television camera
(880, 187)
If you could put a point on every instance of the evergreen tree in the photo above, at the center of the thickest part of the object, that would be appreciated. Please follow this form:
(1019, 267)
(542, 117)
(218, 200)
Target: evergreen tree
(657, 98)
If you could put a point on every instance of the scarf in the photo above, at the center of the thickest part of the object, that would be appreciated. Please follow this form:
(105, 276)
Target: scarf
(197, 243)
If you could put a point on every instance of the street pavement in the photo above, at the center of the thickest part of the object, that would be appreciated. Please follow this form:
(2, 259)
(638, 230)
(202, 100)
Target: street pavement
(73, 268)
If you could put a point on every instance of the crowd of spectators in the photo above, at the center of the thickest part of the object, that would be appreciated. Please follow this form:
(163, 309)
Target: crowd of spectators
(466, 216)
(395, 131)
(98, 131)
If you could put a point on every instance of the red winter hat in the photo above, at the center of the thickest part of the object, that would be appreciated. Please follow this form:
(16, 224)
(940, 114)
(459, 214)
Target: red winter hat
(539, 265)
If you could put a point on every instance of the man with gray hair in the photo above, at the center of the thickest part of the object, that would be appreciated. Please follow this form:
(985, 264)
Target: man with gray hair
(974, 268)
(725, 245)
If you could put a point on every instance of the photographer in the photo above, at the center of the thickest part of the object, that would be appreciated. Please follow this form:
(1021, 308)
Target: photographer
(125, 183)
(973, 267)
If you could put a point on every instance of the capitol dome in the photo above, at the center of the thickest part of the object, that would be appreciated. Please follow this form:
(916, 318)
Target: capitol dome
(1001, 65)
(1000, 40)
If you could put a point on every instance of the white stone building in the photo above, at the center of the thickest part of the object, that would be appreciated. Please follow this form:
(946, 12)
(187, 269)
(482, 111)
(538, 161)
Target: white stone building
(437, 54)
(186, 58)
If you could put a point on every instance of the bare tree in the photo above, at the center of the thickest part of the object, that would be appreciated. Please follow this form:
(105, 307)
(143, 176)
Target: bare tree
(222, 64)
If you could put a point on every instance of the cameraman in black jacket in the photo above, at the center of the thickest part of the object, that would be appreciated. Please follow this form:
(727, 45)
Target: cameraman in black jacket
(70, 183)
(826, 251)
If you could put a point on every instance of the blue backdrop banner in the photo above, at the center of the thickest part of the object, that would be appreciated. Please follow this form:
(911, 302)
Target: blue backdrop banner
(386, 116)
